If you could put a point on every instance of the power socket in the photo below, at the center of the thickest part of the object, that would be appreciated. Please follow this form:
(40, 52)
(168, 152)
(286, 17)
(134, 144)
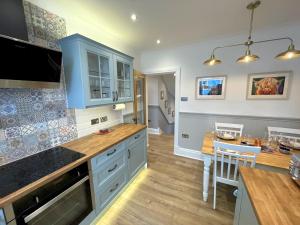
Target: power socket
(185, 136)
(94, 121)
(103, 119)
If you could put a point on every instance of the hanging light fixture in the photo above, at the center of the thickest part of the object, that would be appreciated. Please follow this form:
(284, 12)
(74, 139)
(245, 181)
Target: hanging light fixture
(291, 53)
(212, 61)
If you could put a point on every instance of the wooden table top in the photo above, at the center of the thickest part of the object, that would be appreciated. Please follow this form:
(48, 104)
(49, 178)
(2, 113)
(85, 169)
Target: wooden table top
(274, 159)
(90, 145)
(275, 197)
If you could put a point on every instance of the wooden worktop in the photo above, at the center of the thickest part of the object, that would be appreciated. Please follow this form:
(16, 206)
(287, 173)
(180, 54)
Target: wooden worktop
(274, 159)
(90, 145)
(275, 197)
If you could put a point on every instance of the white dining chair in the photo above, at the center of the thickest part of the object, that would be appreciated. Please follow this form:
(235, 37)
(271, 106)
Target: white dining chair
(285, 133)
(230, 128)
(233, 156)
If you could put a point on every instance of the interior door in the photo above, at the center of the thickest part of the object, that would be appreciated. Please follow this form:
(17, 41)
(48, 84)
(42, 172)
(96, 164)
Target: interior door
(139, 98)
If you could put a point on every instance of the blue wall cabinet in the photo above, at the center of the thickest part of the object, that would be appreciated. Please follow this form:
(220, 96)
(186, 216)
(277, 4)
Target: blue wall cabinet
(123, 69)
(95, 74)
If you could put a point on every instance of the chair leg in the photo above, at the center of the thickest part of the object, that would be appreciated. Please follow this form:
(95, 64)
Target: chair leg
(215, 195)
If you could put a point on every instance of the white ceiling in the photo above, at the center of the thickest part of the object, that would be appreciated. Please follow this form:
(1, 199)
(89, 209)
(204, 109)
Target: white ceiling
(179, 22)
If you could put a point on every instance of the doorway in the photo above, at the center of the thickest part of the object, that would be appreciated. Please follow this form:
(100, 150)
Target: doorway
(161, 103)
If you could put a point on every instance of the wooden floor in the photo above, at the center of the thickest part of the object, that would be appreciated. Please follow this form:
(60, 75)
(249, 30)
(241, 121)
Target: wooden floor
(169, 192)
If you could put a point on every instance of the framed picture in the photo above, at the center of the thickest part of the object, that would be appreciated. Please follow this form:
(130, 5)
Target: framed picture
(166, 104)
(272, 85)
(211, 87)
(162, 95)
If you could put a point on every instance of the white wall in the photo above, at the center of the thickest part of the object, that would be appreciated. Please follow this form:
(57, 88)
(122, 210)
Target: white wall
(152, 90)
(190, 58)
(84, 117)
(80, 19)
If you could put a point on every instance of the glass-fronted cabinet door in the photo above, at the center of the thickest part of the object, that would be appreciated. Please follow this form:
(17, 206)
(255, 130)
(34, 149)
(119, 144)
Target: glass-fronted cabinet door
(100, 77)
(124, 80)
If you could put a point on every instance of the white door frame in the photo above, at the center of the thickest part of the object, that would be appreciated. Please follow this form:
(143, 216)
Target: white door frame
(177, 74)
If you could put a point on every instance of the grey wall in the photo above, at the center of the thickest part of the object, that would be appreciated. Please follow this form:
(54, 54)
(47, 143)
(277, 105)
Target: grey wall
(156, 119)
(197, 124)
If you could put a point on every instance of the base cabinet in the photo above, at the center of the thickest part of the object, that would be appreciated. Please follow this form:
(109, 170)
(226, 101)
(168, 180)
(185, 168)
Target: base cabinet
(136, 157)
(113, 169)
(244, 212)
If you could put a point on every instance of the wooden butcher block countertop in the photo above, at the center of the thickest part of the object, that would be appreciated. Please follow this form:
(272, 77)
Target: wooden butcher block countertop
(90, 145)
(275, 197)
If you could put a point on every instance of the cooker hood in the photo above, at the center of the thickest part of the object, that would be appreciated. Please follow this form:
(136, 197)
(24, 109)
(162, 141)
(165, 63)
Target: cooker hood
(25, 65)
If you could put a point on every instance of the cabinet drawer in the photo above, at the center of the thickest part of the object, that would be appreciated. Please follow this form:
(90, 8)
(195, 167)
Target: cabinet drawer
(110, 189)
(109, 169)
(100, 159)
(138, 136)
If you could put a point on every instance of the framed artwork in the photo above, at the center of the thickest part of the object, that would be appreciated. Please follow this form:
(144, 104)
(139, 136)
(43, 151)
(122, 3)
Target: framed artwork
(162, 95)
(211, 87)
(272, 85)
(166, 104)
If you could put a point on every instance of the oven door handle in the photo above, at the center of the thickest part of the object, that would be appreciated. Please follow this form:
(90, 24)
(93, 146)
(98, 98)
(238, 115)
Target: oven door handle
(54, 200)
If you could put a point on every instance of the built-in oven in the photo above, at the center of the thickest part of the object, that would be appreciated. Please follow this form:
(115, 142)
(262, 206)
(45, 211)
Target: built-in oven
(64, 201)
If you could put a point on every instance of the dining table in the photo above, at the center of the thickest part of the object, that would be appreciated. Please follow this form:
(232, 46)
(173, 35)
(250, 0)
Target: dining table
(273, 161)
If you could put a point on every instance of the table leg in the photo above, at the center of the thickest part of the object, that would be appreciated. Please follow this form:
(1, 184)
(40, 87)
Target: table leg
(207, 163)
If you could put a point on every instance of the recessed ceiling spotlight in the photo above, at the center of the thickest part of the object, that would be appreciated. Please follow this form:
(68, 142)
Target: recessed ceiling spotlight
(158, 41)
(133, 17)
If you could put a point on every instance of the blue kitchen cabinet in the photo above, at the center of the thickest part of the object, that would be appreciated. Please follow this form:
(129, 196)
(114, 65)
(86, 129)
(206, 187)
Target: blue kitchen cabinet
(123, 68)
(113, 169)
(95, 74)
(137, 154)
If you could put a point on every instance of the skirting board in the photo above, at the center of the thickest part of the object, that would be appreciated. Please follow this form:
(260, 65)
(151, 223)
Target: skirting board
(154, 131)
(188, 153)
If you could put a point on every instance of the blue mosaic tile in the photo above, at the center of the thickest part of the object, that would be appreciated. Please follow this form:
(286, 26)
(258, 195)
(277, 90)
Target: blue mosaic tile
(7, 109)
(9, 121)
(30, 140)
(38, 106)
(15, 143)
(36, 95)
(43, 136)
(41, 126)
(12, 132)
(27, 129)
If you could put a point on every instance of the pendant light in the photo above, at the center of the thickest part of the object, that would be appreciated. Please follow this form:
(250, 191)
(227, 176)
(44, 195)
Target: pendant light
(212, 61)
(247, 58)
(291, 53)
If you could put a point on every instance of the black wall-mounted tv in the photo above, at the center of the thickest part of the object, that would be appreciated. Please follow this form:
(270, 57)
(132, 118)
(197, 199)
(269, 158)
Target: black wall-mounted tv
(24, 65)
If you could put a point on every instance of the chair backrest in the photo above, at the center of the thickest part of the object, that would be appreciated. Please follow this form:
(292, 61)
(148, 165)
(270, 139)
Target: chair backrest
(285, 133)
(233, 155)
(230, 128)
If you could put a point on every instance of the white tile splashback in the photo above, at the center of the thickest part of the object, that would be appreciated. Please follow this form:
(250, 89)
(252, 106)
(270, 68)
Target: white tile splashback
(84, 117)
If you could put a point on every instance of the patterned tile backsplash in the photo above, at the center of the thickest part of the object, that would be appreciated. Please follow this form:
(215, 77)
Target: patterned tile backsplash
(32, 120)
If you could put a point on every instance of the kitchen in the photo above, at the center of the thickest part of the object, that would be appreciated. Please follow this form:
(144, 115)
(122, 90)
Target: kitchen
(67, 155)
